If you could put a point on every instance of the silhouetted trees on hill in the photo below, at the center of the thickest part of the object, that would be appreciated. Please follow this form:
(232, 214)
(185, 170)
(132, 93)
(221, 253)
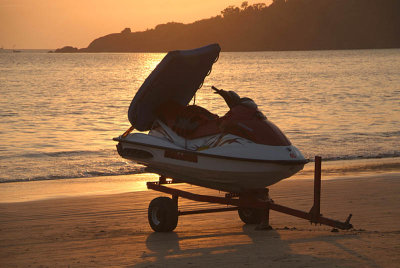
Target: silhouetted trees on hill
(283, 25)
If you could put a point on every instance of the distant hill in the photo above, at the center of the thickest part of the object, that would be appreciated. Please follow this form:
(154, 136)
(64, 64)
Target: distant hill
(283, 25)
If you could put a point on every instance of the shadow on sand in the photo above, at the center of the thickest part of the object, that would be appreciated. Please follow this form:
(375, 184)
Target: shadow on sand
(246, 247)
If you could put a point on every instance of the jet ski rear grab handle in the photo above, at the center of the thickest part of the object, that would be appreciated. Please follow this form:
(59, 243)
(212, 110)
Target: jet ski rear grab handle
(314, 215)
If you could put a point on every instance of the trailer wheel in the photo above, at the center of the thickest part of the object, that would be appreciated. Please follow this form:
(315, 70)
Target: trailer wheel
(163, 214)
(251, 215)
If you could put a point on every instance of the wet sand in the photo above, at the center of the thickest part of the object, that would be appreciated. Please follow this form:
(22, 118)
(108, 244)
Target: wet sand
(112, 230)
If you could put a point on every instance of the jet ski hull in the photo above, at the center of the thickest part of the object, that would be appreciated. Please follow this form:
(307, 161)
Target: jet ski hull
(225, 173)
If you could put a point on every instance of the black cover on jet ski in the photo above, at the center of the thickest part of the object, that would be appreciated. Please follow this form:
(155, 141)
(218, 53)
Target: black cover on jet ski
(176, 78)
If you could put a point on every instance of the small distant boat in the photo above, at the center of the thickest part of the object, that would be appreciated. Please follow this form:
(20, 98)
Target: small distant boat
(238, 152)
(16, 51)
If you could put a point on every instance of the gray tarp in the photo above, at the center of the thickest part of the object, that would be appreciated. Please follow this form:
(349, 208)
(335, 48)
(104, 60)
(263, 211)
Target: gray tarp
(176, 78)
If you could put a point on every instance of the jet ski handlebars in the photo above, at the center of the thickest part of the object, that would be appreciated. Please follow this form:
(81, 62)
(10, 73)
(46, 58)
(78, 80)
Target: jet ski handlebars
(230, 97)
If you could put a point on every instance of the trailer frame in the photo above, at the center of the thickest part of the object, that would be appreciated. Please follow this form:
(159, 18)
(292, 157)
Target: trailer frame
(239, 201)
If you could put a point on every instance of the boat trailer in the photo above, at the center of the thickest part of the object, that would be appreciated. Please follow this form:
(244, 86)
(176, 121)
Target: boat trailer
(253, 207)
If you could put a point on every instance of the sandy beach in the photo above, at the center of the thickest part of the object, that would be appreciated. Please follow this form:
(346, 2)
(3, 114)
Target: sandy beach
(112, 230)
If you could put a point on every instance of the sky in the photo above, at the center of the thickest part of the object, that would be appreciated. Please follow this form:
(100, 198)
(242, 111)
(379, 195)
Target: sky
(50, 24)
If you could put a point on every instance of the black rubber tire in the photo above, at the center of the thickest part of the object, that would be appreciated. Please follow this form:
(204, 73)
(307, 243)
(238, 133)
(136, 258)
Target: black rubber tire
(251, 215)
(163, 214)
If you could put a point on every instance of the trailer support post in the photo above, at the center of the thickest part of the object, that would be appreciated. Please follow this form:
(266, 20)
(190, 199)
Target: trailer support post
(264, 225)
(175, 198)
(315, 212)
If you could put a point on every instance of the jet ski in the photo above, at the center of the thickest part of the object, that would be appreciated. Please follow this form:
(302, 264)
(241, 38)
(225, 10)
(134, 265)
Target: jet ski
(238, 152)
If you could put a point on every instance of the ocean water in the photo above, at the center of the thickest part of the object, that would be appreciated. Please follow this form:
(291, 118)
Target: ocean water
(59, 112)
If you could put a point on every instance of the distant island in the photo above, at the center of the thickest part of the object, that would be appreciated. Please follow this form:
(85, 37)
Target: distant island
(283, 25)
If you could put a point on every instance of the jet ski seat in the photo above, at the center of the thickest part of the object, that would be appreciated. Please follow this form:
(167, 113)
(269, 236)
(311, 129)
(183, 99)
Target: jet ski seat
(190, 122)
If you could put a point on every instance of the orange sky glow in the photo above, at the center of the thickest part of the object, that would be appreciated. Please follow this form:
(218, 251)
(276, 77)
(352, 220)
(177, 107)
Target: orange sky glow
(50, 24)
